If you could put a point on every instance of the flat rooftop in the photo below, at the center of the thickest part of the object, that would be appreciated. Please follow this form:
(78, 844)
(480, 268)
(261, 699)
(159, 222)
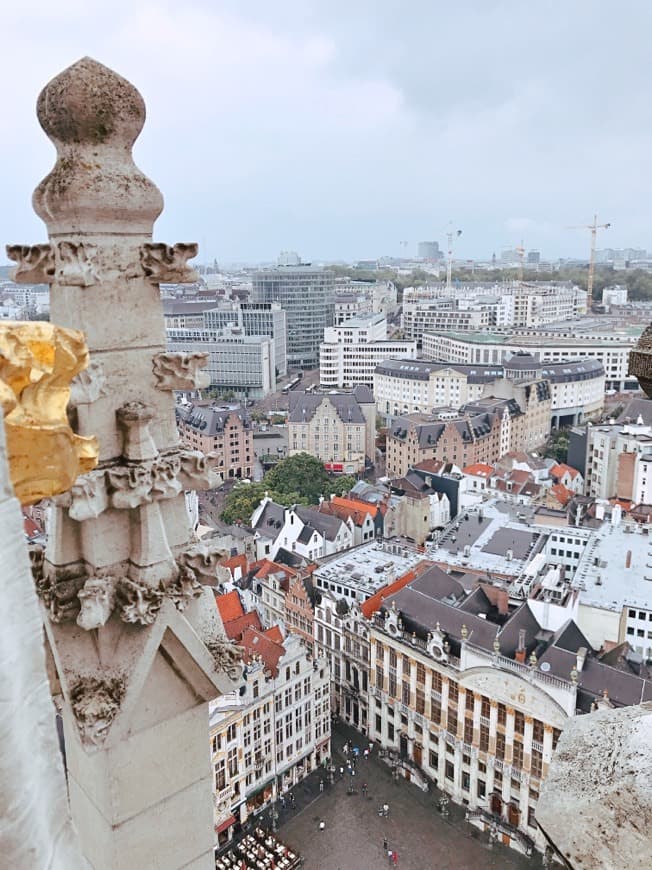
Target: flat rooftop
(602, 575)
(366, 568)
(494, 538)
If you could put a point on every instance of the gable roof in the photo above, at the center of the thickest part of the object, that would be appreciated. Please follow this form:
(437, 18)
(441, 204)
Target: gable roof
(257, 643)
(326, 525)
(302, 406)
(271, 520)
(229, 606)
(479, 469)
(234, 628)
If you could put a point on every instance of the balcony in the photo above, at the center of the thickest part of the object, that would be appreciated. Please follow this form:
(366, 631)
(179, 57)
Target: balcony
(537, 747)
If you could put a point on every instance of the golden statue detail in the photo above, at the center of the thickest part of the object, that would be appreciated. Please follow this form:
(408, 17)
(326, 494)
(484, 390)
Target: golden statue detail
(37, 363)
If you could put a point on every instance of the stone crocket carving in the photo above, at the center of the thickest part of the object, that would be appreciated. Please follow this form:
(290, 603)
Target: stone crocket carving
(180, 371)
(97, 598)
(227, 656)
(88, 496)
(168, 264)
(35, 263)
(37, 363)
(138, 603)
(89, 385)
(73, 264)
(95, 703)
(196, 472)
(204, 559)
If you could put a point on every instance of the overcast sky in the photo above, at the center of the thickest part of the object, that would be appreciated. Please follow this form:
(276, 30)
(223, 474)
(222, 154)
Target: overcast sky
(340, 128)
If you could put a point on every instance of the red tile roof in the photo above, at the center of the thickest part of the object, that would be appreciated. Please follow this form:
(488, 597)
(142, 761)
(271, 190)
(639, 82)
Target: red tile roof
(229, 606)
(562, 493)
(265, 567)
(371, 605)
(256, 643)
(235, 628)
(274, 633)
(239, 561)
(479, 469)
(560, 469)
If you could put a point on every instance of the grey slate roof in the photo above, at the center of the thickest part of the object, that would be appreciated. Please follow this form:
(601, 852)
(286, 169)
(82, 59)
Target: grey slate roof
(302, 406)
(271, 520)
(327, 525)
(214, 418)
(420, 370)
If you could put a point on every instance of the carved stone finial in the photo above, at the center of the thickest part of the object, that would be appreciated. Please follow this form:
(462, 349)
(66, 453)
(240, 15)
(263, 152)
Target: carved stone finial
(464, 632)
(37, 362)
(496, 646)
(134, 419)
(93, 116)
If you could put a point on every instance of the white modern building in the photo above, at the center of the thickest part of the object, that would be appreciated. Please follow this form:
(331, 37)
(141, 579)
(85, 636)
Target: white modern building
(350, 352)
(242, 364)
(263, 318)
(552, 346)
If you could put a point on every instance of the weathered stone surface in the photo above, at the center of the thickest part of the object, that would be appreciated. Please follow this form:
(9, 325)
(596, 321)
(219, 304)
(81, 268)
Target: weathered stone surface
(596, 802)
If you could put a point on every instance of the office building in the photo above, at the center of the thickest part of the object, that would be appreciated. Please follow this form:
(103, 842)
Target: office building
(265, 318)
(307, 295)
(350, 352)
(428, 251)
(238, 363)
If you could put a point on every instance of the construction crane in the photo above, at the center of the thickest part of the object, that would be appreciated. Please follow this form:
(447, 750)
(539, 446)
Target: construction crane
(451, 234)
(594, 227)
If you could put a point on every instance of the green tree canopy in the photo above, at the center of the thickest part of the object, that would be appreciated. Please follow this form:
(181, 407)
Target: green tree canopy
(299, 479)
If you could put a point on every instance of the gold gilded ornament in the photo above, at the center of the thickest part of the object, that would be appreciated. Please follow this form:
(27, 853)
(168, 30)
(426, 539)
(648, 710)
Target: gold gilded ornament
(37, 363)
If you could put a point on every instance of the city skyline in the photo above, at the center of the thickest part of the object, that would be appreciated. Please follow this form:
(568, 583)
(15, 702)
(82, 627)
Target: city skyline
(343, 135)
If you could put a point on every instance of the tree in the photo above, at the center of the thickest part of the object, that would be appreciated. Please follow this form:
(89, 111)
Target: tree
(300, 473)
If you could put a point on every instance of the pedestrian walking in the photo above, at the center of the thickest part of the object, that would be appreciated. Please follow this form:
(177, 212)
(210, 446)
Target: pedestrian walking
(366, 754)
(345, 749)
(283, 801)
(390, 855)
(364, 789)
(385, 845)
(371, 746)
(386, 810)
(395, 859)
(321, 785)
(292, 800)
(322, 825)
(341, 772)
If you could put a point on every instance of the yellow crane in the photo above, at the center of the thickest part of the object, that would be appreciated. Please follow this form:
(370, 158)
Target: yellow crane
(594, 227)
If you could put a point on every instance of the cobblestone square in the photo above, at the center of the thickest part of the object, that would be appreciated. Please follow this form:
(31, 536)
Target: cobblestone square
(353, 835)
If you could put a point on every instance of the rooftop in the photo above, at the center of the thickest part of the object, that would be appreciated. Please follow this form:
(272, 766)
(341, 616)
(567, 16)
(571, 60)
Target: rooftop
(366, 568)
(603, 575)
(489, 539)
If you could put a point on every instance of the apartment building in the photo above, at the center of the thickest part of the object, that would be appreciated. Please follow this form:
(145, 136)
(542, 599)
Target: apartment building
(576, 388)
(547, 346)
(617, 461)
(238, 363)
(271, 732)
(349, 305)
(337, 428)
(221, 432)
(350, 352)
(421, 386)
(472, 695)
(414, 438)
(298, 532)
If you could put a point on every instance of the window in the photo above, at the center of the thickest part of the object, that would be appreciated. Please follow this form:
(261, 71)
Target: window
(537, 763)
(220, 775)
(502, 714)
(468, 730)
(435, 711)
(537, 731)
(420, 702)
(484, 738)
(231, 732)
(436, 681)
(519, 723)
(500, 746)
(233, 761)
(380, 678)
(517, 755)
(469, 700)
(450, 771)
(453, 693)
(421, 674)
(556, 733)
(405, 694)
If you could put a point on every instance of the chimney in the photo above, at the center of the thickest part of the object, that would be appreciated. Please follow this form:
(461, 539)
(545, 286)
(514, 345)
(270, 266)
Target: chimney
(581, 658)
(520, 651)
(628, 559)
